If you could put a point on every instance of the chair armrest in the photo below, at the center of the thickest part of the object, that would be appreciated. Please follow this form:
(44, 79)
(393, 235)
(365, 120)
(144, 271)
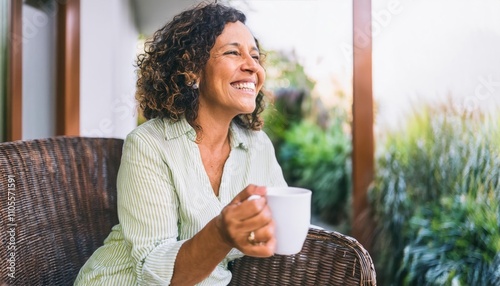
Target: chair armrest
(327, 258)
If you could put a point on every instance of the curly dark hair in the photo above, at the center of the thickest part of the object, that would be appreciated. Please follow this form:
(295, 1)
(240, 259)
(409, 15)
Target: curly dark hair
(175, 56)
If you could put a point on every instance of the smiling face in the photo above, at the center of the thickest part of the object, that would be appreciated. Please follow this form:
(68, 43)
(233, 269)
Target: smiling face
(233, 75)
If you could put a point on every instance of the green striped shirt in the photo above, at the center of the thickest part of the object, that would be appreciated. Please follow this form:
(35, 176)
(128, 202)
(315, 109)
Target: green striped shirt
(165, 197)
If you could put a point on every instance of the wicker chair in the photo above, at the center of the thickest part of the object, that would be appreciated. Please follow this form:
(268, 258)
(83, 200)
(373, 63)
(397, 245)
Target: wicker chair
(58, 205)
(327, 258)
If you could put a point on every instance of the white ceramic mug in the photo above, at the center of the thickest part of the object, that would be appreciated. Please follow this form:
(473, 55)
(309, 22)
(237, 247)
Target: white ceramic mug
(291, 211)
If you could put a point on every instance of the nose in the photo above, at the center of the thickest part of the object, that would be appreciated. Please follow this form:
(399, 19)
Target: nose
(250, 64)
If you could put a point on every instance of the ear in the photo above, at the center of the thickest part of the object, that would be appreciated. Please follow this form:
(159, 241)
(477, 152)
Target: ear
(200, 79)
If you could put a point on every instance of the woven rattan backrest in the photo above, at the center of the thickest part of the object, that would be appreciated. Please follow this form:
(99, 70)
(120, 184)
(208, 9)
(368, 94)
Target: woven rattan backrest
(327, 258)
(58, 205)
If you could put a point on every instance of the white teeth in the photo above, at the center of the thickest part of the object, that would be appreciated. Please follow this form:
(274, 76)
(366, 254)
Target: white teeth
(244, 85)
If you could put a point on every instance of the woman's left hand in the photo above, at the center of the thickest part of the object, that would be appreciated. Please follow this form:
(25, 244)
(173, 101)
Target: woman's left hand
(247, 224)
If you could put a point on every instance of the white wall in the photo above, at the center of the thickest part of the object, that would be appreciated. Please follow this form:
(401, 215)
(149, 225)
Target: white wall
(153, 14)
(107, 74)
(39, 71)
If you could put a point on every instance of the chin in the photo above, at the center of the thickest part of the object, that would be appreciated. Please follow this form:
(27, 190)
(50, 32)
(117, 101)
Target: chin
(249, 110)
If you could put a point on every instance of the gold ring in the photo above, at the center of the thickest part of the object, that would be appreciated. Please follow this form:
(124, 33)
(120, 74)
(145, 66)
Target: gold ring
(251, 237)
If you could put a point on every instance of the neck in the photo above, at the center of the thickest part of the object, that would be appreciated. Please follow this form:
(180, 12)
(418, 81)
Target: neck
(214, 134)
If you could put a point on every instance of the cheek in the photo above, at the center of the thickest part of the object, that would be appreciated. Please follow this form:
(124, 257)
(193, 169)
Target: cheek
(261, 75)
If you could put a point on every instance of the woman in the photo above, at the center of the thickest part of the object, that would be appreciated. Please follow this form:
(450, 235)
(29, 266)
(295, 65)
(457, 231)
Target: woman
(187, 173)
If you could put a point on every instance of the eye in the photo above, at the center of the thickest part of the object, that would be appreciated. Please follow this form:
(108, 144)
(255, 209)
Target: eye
(256, 57)
(236, 53)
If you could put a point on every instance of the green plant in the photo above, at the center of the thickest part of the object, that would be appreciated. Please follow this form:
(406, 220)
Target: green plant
(311, 144)
(290, 87)
(285, 111)
(456, 242)
(320, 160)
(432, 180)
(285, 71)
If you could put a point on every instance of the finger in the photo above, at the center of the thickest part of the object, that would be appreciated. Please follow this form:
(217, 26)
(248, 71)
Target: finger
(236, 230)
(251, 211)
(248, 192)
(259, 220)
(243, 195)
(264, 249)
(245, 216)
(259, 243)
(264, 234)
(253, 197)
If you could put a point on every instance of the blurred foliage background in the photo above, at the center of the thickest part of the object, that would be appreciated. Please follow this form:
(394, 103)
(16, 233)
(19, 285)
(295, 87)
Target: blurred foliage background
(436, 201)
(312, 141)
(435, 197)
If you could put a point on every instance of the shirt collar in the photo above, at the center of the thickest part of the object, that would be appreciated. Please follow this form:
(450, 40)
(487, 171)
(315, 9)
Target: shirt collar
(174, 129)
(239, 135)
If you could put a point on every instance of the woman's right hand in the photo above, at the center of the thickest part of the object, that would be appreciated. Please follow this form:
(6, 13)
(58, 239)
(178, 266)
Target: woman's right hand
(241, 217)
